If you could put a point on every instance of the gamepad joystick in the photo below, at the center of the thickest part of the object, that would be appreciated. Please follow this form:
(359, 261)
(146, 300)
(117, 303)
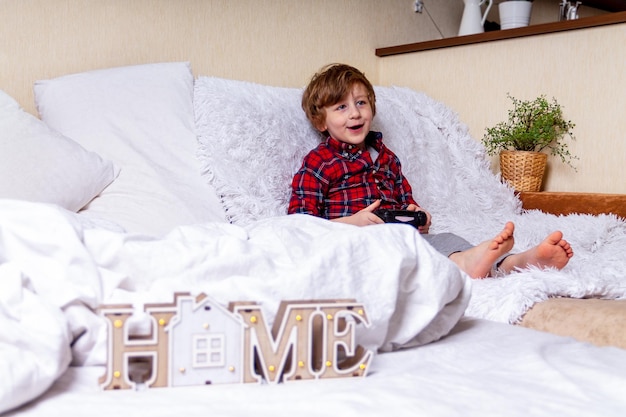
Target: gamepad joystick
(414, 218)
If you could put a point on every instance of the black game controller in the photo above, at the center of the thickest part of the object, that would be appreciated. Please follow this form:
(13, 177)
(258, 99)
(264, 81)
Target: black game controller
(414, 218)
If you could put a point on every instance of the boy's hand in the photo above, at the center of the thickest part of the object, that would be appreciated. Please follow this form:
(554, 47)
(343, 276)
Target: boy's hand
(422, 229)
(364, 217)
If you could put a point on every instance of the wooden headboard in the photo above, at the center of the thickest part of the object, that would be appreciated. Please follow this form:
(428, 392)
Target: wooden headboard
(567, 203)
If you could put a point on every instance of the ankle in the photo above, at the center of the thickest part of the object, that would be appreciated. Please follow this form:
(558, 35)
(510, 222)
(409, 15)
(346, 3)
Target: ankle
(509, 263)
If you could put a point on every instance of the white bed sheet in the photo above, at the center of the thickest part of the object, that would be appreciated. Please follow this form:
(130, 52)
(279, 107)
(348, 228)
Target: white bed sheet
(481, 368)
(56, 270)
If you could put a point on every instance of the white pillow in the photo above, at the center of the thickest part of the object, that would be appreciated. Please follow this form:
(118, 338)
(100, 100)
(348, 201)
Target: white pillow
(140, 117)
(253, 138)
(40, 165)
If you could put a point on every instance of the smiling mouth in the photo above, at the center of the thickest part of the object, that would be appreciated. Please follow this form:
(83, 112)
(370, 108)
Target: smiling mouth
(357, 127)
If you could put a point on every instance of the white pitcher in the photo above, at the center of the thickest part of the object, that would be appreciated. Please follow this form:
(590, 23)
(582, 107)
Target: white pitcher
(472, 20)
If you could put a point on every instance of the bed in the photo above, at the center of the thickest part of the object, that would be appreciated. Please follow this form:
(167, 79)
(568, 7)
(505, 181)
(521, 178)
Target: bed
(159, 182)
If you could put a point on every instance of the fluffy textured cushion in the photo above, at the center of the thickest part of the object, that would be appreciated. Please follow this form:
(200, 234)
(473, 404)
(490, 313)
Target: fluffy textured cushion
(39, 164)
(140, 117)
(253, 138)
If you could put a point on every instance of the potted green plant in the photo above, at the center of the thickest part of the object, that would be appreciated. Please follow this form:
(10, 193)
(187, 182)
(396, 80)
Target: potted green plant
(533, 127)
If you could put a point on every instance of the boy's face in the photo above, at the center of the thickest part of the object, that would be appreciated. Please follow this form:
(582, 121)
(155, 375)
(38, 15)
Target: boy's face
(349, 120)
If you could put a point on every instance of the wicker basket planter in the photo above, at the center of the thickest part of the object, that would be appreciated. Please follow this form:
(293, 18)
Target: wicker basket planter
(534, 128)
(523, 170)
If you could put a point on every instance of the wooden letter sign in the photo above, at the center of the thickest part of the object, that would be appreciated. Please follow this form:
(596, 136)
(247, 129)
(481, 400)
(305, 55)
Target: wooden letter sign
(194, 341)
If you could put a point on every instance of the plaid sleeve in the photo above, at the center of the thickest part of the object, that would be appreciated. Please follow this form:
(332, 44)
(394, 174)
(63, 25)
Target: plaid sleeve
(309, 187)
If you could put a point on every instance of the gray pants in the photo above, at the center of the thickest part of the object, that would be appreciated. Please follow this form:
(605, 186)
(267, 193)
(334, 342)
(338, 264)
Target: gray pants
(447, 243)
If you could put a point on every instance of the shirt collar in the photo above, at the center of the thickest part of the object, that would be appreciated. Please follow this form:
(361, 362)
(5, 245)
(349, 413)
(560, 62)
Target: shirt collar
(373, 139)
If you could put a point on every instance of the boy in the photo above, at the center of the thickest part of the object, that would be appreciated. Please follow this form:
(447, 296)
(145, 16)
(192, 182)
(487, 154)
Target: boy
(352, 173)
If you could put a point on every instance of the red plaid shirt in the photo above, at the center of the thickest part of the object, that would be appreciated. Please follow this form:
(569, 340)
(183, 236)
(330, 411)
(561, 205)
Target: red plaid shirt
(338, 179)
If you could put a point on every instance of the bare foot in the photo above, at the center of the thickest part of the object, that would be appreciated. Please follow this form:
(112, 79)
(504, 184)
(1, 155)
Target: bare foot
(478, 261)
(554, 252)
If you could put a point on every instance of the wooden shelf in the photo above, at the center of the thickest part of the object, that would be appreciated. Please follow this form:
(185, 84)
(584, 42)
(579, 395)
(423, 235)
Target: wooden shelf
(553, 27)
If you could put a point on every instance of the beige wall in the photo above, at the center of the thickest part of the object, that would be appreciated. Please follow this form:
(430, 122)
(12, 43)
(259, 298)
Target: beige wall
(585, 70)
(279, 42)
(282, 42)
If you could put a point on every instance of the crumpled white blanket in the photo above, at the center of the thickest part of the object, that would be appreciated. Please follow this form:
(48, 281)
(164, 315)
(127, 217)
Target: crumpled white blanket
(56, 270)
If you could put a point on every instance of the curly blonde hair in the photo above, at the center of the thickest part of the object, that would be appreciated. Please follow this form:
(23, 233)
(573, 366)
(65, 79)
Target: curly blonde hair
(328, 86)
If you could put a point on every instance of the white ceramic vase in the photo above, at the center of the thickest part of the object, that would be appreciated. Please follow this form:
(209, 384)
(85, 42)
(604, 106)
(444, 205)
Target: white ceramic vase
(514, 14)
(473, 19)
